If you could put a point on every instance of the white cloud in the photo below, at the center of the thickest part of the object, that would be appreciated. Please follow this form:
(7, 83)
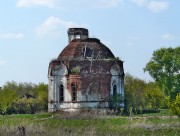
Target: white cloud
(139, 2)
(152, 5)
(53, 26)
(167, 37)
(31, 3)
(157, 6)
(12, 36)
(70, 4)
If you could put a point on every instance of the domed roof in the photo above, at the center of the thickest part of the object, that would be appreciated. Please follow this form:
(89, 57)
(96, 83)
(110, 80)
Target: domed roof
(82, 47)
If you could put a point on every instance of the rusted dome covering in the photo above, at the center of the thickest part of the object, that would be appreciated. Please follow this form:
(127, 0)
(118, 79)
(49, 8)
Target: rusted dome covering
(82, 47)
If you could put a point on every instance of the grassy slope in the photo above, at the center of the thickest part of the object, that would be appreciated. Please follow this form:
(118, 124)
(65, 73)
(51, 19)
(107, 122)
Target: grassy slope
(90, 125)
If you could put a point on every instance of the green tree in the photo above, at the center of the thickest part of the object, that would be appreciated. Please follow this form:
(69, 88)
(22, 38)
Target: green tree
(7, 97)
(164, 67)
(43, 95)
(155, 96)
(116, 101)
(27, 90)
(135, 95)
(10, 86)
(141, 95)
(26, 105)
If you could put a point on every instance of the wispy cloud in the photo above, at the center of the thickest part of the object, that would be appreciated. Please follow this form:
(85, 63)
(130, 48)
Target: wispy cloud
(70, 4)
(53, 26)
(12, 36)
(139, 2)
(32, 3)
(156, 6)
(152, 5)
(167, 37)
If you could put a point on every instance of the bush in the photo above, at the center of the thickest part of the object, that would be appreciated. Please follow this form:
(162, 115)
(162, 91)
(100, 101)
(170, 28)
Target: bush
(23, 98)
(75, 70)
(174, 106)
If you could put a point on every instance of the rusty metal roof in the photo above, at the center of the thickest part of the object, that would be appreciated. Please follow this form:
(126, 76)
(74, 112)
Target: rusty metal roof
(85, 49)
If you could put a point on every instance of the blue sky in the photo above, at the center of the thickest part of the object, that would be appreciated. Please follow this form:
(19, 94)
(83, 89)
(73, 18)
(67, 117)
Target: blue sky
(32, 32)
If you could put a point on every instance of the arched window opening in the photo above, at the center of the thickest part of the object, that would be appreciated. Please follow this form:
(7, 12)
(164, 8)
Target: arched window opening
(61, 93)
(114, 90)
(74, 92)
(78, 36)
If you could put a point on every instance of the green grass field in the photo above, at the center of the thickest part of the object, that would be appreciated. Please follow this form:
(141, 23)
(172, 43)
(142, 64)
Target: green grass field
(63, 124)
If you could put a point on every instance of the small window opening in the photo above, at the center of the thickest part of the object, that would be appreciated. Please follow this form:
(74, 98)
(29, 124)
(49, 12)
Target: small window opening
(78, 37)
(61, 93)
(114, 90)
(74, 92)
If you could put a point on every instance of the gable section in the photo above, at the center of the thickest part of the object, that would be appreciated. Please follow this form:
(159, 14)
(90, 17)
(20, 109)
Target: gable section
(115, 69)
(59, 70)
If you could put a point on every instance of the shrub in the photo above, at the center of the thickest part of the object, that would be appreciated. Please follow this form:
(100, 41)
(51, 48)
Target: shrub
(174, 106)
(75, 70)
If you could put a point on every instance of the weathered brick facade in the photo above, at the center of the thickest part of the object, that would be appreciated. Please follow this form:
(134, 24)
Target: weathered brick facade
(85, 74)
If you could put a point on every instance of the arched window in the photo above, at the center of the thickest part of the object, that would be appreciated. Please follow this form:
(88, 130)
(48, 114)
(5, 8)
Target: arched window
(61, 93)
(114, 90)
(74, 92)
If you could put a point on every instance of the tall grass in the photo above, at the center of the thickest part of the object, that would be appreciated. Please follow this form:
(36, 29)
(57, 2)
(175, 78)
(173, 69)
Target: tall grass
(88, 124)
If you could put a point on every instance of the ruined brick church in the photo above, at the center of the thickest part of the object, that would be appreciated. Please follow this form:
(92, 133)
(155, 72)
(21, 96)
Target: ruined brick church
(84, 75)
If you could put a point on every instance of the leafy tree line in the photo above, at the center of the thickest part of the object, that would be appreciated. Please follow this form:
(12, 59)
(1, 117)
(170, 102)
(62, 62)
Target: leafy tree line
(141, 95)
(164, 92)
(164, 68)
(23, 98)
(31, 98)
